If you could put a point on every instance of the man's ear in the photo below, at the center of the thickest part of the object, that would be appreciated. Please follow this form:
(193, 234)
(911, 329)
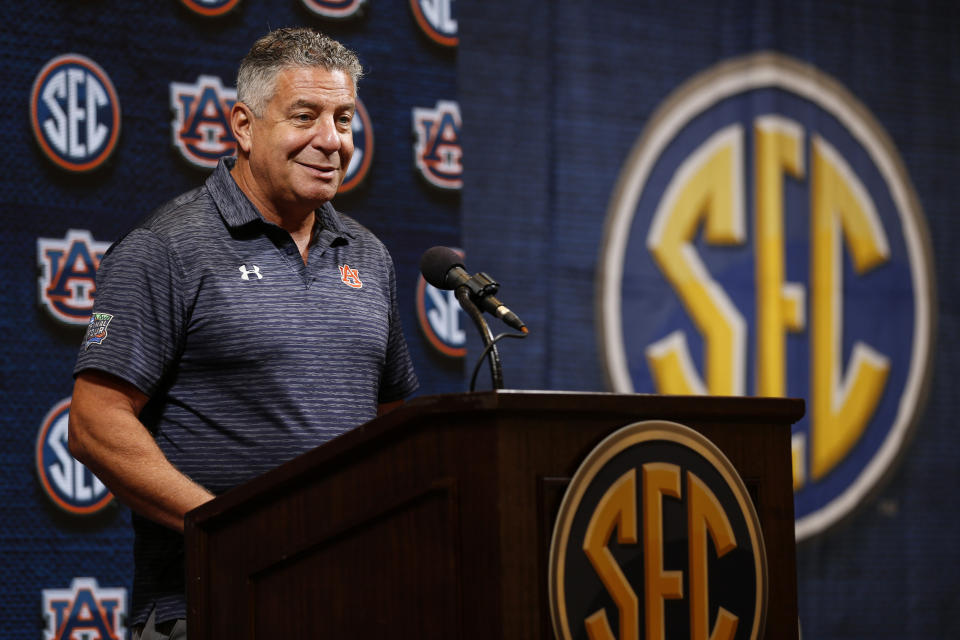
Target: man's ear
(241, 122)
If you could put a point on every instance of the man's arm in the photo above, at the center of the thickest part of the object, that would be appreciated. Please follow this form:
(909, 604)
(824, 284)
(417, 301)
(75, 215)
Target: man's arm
(107, 436)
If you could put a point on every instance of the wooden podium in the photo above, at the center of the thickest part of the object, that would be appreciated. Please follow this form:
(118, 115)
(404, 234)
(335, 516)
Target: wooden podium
(434, 521)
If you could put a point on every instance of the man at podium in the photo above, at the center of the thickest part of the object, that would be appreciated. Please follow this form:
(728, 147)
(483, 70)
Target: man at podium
(241, 324)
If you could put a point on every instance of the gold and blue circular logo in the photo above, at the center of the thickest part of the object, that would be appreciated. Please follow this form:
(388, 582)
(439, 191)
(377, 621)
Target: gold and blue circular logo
(764, 239)
(657, 537)
(75, 113)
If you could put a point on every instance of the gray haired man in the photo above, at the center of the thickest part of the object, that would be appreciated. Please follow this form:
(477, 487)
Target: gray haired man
(241, 324)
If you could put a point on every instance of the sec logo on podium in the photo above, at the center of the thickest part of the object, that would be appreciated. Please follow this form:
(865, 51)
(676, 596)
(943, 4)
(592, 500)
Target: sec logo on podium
(657, 537)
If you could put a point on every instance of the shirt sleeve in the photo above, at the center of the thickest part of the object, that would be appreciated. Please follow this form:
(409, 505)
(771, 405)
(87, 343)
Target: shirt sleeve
(398, 379)
(136, 330)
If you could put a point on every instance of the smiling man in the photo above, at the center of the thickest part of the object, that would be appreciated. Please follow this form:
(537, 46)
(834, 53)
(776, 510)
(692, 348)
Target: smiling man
(294, 149)
(241, 324)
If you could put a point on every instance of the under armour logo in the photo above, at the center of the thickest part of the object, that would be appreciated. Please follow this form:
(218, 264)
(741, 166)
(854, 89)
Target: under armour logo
(246, 273)
(350, 277)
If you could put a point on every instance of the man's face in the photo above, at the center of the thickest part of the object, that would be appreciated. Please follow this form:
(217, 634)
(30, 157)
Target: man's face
(301, 146)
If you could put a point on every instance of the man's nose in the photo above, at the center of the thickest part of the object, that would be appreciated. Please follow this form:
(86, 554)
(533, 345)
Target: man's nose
(326, 136)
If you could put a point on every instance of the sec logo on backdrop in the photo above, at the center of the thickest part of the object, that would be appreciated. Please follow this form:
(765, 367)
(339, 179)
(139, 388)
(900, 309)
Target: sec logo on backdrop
(362, 129)
(335, 9)
(436, 18)
(75, 113)
(211, 8)
(764, 239)
(68, 484)
(439, 315)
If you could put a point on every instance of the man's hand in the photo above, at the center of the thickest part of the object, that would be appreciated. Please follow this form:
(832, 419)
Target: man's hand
(387, 407)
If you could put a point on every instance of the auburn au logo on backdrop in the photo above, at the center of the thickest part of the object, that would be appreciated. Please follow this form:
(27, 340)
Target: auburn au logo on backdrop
(764, 239)
(67, 275)
(85, 610)
(201, 124)
(75, 113)
(437, 152)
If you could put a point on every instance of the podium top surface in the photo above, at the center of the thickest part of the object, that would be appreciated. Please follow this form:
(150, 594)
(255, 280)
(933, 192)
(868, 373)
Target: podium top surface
(789, 409)
(427, 409)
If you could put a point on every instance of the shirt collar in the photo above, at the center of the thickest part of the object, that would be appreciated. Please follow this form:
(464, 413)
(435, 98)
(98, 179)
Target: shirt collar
(237, 210)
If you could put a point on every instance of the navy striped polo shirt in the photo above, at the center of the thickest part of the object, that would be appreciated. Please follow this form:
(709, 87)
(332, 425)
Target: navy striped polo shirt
(249, 356)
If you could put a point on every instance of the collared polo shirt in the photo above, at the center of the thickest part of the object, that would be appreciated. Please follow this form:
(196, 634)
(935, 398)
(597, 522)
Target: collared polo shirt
(249, 356)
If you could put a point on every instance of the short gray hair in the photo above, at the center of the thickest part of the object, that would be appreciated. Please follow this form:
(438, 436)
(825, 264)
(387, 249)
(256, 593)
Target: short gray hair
(287, 48)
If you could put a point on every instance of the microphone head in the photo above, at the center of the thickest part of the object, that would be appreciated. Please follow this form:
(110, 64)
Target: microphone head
(435, 264)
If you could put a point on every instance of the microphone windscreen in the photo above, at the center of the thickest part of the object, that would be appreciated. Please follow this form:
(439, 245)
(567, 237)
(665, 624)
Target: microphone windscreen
(436, 262)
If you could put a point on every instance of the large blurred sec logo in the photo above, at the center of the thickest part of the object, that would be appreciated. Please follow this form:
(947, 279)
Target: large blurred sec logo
(764, 238)
(75, 113)
(67, 483)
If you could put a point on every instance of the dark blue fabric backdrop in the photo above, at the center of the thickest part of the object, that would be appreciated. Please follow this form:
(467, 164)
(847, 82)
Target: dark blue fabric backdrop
(553, 97)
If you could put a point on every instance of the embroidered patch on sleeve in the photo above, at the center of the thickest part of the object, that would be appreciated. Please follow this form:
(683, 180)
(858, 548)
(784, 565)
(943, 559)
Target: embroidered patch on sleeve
(97, 329)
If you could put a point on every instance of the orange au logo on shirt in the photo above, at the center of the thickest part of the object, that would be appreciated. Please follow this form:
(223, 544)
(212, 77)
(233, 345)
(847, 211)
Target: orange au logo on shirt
(350, 277)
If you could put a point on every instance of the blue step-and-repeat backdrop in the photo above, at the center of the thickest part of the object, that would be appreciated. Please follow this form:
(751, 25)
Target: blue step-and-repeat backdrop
(731, 198)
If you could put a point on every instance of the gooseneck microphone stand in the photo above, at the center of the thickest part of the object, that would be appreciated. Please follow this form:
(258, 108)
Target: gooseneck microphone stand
(496, 369)
(441, 267)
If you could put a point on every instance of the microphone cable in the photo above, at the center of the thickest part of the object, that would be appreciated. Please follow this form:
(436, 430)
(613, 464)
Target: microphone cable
(486, 351)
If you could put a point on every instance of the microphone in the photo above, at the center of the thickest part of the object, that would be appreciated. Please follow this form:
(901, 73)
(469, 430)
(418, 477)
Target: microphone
(442, 268)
